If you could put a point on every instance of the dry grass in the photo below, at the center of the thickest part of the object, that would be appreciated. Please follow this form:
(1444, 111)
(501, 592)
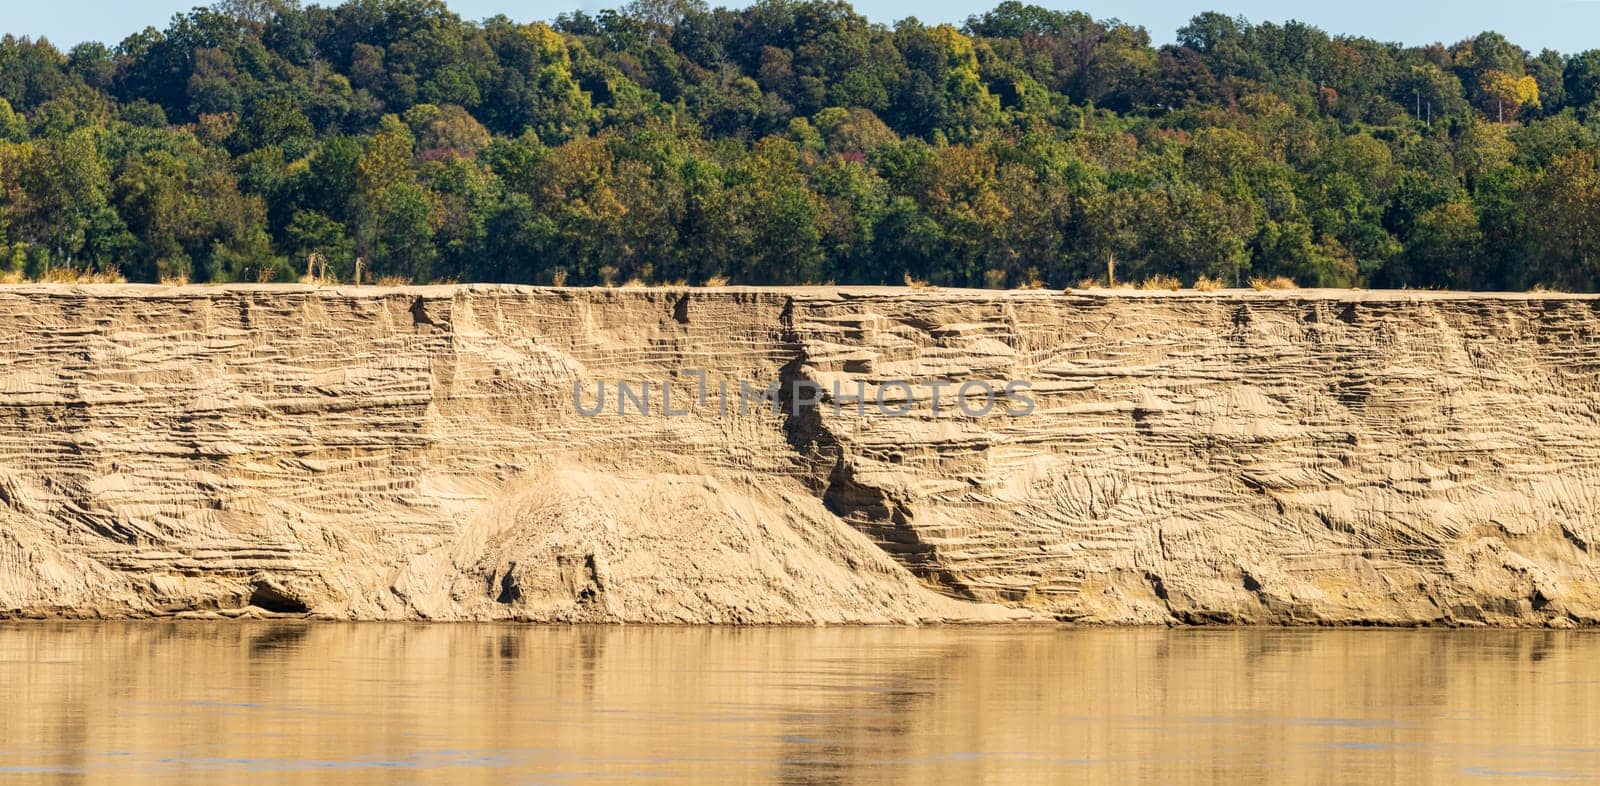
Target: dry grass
(174, 281)
(317, 270)
(558, 277)
(1542, 288)
(1030, 279)
(1162, 282)
(392, 281)
(1276, 282)
(633, 283)
(68, 275)
(1096, 283)
(1207, 284)
(917, 283)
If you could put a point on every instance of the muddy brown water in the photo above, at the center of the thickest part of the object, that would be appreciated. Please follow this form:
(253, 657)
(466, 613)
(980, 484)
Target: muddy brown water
(271, 703)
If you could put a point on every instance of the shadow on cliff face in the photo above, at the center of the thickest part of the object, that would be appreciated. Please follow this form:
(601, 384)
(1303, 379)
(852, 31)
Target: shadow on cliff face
(825, 468)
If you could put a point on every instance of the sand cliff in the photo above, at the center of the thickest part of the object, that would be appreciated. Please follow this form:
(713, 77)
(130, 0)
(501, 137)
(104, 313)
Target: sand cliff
(416, 453)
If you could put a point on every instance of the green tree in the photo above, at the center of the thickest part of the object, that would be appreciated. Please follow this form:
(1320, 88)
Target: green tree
(533, 86)
(1566, 198)
(1581, 79)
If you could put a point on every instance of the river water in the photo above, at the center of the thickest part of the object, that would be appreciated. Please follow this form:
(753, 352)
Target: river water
(135, 703)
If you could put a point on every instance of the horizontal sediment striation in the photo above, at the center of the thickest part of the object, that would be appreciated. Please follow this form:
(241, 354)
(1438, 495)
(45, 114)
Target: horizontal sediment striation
(1312, 457)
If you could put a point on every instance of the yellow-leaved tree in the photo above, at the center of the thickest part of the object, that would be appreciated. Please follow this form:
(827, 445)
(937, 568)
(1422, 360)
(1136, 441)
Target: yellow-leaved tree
(1503, 95)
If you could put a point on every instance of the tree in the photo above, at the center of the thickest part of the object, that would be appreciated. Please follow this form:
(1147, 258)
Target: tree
(1503, 96)
(533, 86)
(1186, 231)
(1442, 247)
(1430, 93)
(447, 129)
(13, 127)
(402, 229)
(773, 216)
(311, 233)
(276, 122)
(1581, 79)
(60, 202)
(942, 91)
(1566, 197)
(855, 130)
(31, 71)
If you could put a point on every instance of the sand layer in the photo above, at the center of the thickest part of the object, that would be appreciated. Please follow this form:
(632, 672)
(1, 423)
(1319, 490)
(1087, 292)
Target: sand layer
(1309, 457)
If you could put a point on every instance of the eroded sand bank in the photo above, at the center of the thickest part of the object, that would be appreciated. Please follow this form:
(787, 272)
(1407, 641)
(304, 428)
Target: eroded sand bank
(1311, 456)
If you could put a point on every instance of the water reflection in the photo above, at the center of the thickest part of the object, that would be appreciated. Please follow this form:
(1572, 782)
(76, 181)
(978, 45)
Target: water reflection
(463, 704)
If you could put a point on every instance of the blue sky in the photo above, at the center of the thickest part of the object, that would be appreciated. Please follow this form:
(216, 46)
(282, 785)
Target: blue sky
(1565, 25)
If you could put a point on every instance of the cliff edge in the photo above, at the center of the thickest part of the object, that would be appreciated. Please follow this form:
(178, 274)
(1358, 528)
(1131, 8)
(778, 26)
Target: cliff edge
(1303, 457)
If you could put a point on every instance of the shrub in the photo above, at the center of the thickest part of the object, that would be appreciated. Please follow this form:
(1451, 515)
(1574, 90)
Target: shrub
(1162, 282)
(1276, 282)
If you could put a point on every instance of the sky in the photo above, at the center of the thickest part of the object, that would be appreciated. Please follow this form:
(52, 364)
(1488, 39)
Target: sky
(1567, 26)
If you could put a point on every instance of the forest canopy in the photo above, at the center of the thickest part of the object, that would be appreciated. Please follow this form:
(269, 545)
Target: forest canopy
(790, 142)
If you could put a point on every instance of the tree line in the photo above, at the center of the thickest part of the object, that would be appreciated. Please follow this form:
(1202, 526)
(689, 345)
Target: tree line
(793, 141)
